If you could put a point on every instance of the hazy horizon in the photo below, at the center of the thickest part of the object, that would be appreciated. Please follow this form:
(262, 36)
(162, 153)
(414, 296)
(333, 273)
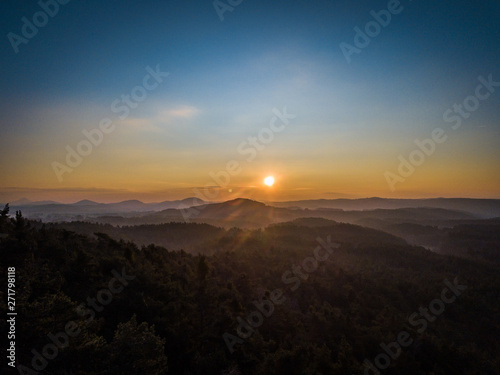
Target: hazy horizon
(221, 198)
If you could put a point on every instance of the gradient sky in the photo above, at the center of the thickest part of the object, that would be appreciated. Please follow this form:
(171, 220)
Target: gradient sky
(352, 121)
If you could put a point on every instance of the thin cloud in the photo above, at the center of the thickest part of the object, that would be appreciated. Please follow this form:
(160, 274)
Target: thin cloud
(182, 112)
(159, 122)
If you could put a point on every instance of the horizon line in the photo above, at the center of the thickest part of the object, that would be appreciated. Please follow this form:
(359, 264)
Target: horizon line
(50, 201)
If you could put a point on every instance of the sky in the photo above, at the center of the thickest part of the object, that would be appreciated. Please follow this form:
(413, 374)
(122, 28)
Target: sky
(181, 99)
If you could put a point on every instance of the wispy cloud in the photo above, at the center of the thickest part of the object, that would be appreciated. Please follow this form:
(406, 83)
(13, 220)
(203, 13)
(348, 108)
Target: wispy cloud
(181, 112)
(160, 121)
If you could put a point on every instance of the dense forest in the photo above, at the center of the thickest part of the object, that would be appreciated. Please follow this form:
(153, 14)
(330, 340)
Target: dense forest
(304, 297)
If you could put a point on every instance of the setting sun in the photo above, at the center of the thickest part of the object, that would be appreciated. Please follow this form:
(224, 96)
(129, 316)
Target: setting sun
(269, 181)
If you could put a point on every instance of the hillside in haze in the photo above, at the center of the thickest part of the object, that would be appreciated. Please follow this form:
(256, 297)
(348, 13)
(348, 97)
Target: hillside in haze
(484, 208)
(86, 209)
(440, 230)
(205, 239)
(252, 214)
(432, 228)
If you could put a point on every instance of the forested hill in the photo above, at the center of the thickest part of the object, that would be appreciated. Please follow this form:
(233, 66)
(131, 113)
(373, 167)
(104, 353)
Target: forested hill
(206, 239)
(476, 239)
(148, 310)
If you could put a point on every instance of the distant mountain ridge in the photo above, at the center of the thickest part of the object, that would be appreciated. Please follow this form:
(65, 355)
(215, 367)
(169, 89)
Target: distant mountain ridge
(485, 208)
(51, 210)
(86, 202)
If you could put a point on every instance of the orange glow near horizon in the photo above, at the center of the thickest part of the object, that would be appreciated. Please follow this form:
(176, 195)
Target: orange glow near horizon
(107, 179)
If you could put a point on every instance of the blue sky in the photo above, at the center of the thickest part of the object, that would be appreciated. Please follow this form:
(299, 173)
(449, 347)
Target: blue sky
(353, 120)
